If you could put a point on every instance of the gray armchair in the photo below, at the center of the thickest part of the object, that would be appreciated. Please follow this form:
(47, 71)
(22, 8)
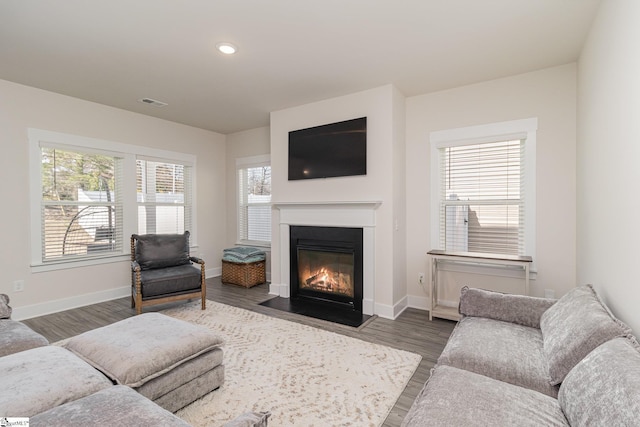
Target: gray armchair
(162, 270)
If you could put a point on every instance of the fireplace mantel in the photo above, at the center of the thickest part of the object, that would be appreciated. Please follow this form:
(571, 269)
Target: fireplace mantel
(329, 214)
(335, 213)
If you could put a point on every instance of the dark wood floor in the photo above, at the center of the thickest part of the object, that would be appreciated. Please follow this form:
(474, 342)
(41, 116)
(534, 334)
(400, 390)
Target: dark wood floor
(412, 331)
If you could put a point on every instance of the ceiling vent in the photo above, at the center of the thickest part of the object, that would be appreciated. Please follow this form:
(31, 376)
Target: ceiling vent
(152, 102)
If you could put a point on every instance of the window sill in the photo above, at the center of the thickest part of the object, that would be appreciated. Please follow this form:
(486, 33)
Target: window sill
(64, 265)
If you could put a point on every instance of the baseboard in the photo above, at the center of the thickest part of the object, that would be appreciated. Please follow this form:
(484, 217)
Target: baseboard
(421, 303)
(35, 310)
(212, 272)
(391, 311)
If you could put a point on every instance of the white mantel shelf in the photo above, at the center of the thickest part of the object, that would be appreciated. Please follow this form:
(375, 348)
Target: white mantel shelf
(332, 204)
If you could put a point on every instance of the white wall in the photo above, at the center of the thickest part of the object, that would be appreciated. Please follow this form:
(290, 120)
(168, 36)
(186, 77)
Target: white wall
(608, 159)
(549, 95)
(23, 107)
(382, 107)
(253, 142)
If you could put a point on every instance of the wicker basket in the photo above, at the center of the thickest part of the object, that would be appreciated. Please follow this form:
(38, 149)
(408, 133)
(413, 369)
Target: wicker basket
(244, 274)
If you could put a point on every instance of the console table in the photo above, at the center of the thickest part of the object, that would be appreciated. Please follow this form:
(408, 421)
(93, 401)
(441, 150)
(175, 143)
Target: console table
(438, 256)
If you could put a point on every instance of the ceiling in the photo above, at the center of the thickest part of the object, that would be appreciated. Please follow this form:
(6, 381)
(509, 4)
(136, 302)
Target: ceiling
(291, 52)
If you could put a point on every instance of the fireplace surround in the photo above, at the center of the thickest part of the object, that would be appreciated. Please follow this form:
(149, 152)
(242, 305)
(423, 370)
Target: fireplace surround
(351, 214)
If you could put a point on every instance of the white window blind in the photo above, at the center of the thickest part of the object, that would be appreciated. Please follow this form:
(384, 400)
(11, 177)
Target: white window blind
(164, 196)
(482, 205)
(81, 204)
(254, 203)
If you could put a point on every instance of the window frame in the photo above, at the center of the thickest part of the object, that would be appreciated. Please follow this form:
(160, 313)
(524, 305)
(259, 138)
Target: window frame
(128, 153)
(241, 164)
(524, 129)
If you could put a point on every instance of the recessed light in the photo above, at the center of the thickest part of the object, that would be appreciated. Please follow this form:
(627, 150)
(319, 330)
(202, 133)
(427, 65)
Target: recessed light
(227, 48)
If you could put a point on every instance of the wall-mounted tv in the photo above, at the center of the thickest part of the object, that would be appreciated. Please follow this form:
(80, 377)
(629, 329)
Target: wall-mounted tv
(331, 150)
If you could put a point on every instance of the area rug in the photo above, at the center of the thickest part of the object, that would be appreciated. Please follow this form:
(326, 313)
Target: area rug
(303, 375)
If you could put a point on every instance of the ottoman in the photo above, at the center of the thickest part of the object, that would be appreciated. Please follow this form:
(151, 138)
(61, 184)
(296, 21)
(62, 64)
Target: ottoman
(243, 266)
(167, 360)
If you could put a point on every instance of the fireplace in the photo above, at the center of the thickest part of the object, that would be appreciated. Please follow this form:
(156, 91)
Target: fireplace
(326, 265)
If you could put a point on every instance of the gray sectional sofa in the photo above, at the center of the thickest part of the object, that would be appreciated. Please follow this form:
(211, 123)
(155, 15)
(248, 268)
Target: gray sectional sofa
(524, 361)
(91, 380)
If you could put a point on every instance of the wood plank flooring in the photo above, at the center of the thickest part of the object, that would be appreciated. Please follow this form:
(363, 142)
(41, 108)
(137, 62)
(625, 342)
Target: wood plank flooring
(411, 331)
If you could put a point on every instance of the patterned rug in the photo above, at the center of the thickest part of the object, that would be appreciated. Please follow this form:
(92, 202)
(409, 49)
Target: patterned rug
(303, 375)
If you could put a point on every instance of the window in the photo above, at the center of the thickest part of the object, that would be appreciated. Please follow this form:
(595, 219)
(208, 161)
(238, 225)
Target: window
(484, 188)
(87, 201)
(81, 204)
(163, 196)
(254, 200)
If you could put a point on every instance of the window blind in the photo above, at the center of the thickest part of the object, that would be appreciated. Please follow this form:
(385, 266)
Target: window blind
(254, 204)
(482, 197)
(81, 209)
(164, 197)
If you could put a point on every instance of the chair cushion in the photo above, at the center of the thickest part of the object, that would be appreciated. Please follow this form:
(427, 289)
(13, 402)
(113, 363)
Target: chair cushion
(574, 326)
(604, 388)
(170, 280)
(161, 250)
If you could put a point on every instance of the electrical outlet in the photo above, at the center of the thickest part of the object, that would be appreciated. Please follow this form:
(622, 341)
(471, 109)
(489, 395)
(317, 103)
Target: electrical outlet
(18, 286)
(421, 278)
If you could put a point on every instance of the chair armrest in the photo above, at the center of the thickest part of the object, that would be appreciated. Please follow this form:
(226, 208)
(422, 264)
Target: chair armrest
(520, 309)
(196, 260)
(135, 266)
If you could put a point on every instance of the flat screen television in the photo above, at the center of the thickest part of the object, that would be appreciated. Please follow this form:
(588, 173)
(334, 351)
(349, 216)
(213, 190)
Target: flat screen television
(331, 150)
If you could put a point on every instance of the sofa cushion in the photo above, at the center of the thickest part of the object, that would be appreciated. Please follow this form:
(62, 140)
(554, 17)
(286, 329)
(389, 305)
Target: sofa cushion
(520, 309)
(574, 326)
(505, 351)
(16, 336)
(136, 350)
(114, 406)
(250, 419)
(161, 250)
(604, 388)
(5, 309)
(455, 397)
(36, 380)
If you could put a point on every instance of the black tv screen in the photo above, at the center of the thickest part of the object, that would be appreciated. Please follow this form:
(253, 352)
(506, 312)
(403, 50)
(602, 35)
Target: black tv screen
(336, 149)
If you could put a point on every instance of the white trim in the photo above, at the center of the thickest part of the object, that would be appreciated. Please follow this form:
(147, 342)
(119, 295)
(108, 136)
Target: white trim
(517, 129)
(129, 153)
(333, 214)
(251, 161)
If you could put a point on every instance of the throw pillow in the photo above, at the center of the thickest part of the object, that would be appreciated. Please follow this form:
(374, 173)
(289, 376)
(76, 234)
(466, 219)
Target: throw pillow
(5, 310)
(574, 326)
(520, 309)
